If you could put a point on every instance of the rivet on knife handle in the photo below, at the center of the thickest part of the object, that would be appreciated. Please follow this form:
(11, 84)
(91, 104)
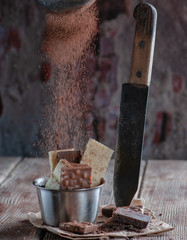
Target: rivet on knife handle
(144, 41)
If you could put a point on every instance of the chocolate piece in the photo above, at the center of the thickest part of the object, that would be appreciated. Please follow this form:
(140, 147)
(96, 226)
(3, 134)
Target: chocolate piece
(111, 226)
(107, 211)
(76, 176)
(78, 227)
(53, 161)
(70, 156)
(97, 156)
(130, 217)
(54, 180)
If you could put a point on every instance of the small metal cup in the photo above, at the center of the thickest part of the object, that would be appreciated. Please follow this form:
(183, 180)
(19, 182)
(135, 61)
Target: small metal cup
(67, 205)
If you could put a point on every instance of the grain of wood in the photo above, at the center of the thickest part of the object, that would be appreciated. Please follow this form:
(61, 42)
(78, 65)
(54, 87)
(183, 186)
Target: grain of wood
(144, 42)
(7, 164)
(18, 197)
(107, 190)
(165, 192)
(50, 236)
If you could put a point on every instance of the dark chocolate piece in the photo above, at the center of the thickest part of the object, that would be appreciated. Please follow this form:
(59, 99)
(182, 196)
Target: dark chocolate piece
(107, 211)
(111, 226)
(130, 217)
(70, 156)
(76, 177)
(78, 227)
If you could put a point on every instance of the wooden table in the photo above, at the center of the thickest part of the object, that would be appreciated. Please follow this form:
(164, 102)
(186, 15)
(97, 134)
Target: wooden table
(163, 185)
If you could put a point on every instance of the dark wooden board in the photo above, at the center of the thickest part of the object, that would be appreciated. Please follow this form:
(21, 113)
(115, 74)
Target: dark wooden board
(165, 192)
(18, 197)
(7, 165)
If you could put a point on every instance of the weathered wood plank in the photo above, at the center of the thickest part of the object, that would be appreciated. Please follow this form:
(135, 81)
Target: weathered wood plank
(50, 236)
(165, 192)
(7, 164)
(18, 197)
(142, 172)
(107, 191)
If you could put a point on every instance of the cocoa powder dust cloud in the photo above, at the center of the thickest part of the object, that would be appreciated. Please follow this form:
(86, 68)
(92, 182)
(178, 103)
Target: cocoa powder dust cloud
(67, 45)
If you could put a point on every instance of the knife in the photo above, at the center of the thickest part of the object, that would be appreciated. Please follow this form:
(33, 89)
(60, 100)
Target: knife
(133, 107)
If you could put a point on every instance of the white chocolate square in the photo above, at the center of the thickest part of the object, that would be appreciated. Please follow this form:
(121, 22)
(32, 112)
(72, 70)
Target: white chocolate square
(97, 156)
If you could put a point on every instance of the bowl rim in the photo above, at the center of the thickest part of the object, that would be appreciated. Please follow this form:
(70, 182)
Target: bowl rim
(60, 190)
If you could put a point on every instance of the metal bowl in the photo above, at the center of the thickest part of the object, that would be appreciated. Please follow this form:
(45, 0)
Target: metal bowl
(63, 5)
(67, 205)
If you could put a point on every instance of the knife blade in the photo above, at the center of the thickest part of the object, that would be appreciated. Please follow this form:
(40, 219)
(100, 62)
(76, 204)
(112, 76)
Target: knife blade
(133, 105)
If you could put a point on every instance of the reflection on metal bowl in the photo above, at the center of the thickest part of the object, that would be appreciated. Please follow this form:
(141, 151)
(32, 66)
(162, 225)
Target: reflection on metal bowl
(67, 205)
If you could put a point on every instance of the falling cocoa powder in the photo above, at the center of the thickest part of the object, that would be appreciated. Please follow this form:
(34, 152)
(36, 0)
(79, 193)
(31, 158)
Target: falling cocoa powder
(68, 35)
(67, 45)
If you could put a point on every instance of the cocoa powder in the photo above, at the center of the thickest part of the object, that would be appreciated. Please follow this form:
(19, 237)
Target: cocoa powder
(67, 45)
(68, 35)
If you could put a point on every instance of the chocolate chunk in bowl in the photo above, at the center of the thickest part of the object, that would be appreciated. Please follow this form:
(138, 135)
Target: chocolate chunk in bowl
(71, 156)
(76, 176)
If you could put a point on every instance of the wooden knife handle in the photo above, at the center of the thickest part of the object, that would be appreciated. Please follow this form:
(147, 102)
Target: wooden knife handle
(144, 42)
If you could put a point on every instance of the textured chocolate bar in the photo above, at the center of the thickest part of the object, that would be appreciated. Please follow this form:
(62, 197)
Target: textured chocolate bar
(70, 156)
(130, 217)
(76, 177)
(78, 227)
(97, 156)
(107, 211)
(111, 226)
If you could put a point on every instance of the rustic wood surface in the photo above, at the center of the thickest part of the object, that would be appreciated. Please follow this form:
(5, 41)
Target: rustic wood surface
(165, 193)
(7, 165)
(18, 197)
(162, 185)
